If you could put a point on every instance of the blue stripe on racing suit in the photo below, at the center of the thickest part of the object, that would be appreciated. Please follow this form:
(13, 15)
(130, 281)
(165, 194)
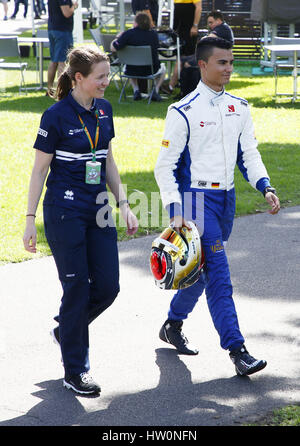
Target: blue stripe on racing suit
(219, 209)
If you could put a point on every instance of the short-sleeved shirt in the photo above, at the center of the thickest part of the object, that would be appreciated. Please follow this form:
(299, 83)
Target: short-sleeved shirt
(140, 37)
(224, 31)
(140, 5)
(62, 135)
(56, 20)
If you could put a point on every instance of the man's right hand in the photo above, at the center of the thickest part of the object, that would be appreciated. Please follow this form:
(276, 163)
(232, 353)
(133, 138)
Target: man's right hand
(179, 222)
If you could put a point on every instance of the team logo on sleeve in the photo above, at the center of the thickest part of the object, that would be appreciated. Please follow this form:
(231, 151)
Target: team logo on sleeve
(42, 132)
(165, 143)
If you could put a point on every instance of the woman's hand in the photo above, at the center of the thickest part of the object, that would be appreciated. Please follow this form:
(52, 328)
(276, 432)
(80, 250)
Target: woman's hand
(39, 172)
(130, 219)
(29, 237)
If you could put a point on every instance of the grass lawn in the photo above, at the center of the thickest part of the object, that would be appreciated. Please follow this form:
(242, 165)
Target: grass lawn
(139, 129)
(285, 416)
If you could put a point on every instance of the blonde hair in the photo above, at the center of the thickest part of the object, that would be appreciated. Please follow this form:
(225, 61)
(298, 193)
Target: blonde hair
(80, 59)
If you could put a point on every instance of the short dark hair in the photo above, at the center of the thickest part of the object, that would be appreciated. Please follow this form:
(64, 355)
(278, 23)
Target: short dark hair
(143, 20)
(206, 45)
(216, 14)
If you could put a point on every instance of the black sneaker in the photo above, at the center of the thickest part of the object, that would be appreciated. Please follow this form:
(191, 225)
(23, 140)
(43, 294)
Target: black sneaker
(137, 95)
(83, 384)
(244, 363)
(171, 332)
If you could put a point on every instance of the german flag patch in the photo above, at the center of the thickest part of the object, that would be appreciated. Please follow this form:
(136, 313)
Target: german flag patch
(215, 185)
(165, 143)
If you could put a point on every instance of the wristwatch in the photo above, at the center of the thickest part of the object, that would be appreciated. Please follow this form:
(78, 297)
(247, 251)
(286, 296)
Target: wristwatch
(120, 203)
(269, 189)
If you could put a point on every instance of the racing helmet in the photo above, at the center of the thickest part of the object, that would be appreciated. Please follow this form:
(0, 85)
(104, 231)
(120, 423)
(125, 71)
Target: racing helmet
(177, 258)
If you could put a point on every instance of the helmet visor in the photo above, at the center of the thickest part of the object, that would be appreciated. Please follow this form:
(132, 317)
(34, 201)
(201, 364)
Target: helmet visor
(172, 237)
(158, 264)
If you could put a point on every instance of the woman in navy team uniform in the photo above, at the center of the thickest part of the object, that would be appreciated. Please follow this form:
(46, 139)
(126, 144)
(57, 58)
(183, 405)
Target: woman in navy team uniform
(74, 140)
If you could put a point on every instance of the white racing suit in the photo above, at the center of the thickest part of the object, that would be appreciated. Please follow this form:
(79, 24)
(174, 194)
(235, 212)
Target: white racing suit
(206, 135)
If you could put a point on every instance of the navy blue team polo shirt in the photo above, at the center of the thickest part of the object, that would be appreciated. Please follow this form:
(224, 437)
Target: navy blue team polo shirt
(224, 31)
(140, 37)
(62, 135)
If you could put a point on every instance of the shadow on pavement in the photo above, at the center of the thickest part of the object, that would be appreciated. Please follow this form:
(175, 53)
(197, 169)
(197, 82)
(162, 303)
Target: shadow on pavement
(176, 401)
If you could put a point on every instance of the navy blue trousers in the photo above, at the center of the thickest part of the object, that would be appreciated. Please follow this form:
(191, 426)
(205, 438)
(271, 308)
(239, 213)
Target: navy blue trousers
(86, 258)
(217, 218)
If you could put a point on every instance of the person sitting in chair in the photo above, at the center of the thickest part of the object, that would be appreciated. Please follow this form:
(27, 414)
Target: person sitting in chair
(218, 27)
(141, 34)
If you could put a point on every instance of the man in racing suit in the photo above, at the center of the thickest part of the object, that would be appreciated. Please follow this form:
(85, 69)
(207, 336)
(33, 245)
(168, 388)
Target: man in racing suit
(206, 134)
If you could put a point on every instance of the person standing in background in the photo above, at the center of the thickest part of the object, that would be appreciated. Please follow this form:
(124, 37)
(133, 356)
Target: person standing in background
(5, 8)
(60, 31)
(17, 5)
(187, 14)
(150, 7)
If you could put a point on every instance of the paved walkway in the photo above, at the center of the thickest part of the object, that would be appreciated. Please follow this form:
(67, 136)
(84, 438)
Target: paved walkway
(19, 25)
(144, 381)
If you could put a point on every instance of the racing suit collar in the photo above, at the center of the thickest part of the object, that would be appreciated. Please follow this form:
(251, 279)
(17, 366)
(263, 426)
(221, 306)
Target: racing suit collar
(216, 97)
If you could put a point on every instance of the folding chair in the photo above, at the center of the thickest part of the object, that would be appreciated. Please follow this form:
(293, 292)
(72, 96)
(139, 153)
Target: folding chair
(139, 56)
(96, 35)
(9, 48)
(281, 63)
(104, 40)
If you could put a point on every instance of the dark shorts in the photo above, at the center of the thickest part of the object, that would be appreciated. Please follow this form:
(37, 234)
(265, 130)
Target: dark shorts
(60, 43)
